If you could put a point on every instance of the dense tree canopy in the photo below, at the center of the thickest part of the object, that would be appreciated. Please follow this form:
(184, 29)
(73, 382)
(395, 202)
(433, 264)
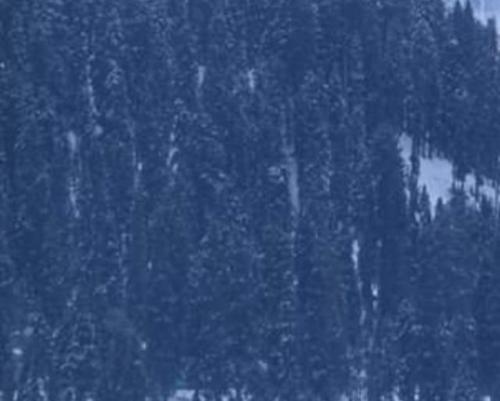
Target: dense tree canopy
(209, 195)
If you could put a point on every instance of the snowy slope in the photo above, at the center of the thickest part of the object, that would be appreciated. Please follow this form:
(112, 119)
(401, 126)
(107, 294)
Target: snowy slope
(484, 9)
(436, 175)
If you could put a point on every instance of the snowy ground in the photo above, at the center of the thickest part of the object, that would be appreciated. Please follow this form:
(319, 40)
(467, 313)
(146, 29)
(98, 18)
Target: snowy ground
(483, 9)
(436, 175)
(188, 395)
(182, 395)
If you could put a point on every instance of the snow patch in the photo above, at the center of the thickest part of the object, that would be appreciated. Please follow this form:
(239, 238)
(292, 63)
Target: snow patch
(90, 87)
(172, 152)
(137, 174)
(483, 9)
(355, 249)
(17, 352)
(28, 331)
(292, 170)
(98, 130)
(42, 392)
(375, 295)
(200, 75)
(72, 142)
(395, 395)
(252, 80)
(188, 395)
(263, 366)
(360, 389)
(73, 198)
(436, 176)
(182, 395)
(355, 255)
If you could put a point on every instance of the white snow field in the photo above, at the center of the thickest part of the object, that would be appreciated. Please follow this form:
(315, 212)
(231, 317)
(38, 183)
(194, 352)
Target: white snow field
(436, 175)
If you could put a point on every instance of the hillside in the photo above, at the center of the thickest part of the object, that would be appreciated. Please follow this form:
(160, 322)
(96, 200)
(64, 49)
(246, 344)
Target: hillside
(485, 9)
(262, 200)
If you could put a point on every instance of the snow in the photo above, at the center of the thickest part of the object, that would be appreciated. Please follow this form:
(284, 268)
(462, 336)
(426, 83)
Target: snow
(395, 395)
(263, 366)
(252, 82)
(188, 395)
(172, 152)
(375, 293)
(73, 198)
(359, 391)
(17, 351)
(90, 87)
(182, 395)
(98, 130)
(72, 142)
(484, 9)
(275, 174)
(42, 392)
(200, 76)
(292, 170)
(28, 331)
(355, 249)
(436, 176)
(355, 255)
(291, 167)
(137, 173)
(293, 184)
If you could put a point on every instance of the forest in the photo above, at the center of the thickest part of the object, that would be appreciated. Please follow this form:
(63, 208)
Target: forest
(210, 196)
